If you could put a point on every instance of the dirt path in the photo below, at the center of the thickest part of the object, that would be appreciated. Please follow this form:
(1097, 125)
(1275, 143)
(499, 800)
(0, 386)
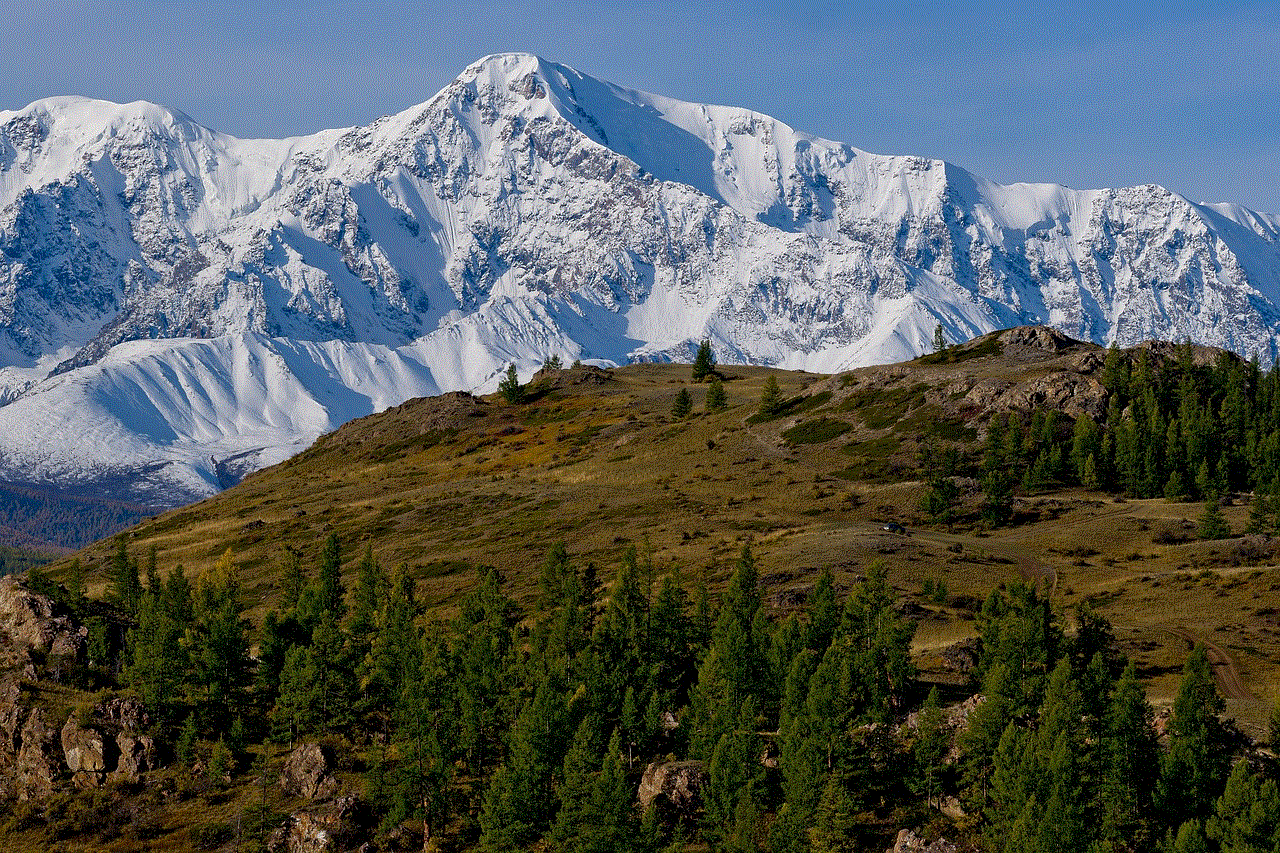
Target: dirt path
(1224, 667)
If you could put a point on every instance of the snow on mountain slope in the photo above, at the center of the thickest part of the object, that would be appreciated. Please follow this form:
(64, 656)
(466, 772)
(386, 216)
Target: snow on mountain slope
(191, 305)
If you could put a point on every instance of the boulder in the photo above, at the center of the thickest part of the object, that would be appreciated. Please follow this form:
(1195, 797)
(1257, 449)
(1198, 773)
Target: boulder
(137, 755)
(39, 760)
(334, 827)
(307, 773)
(28, 623)
(677, 784)
(85, 750)
(908, 842)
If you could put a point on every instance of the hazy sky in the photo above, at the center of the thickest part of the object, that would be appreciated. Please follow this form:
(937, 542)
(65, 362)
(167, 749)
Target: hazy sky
(1177, 93)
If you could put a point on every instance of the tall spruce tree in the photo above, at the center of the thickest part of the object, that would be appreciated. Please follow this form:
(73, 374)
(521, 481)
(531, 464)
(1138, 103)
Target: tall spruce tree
(1195, 766)
(704, 364)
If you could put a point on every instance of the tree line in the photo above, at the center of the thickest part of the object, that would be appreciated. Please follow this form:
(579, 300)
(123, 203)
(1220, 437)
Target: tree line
(510, 728)
(1172, 428)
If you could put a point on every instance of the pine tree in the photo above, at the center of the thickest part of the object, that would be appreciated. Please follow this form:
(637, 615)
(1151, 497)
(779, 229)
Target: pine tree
(939, 501)
(683, 405)
(1246, 818)
(509, 387)
(1195, 765)
(770, 397)
(185, 748)
(608, 822)
(1212, 523)
(716, 400)
(704, 364)
(125, 585)
(735, 672)
(932, 740)
(939, 339)
(835, 823)
(997, 501)
(219, 644)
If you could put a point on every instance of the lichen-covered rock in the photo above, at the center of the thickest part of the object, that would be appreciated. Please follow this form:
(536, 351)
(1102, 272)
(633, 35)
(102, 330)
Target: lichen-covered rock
(136, 755)
(678, 784)
(86, 753)
(28, 623)
(908, 842)
(10, 718)
(334, 827)
(39, 757)
(124, 713)
(307, 773)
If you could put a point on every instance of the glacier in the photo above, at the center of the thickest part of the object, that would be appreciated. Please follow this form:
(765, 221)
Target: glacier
(179, 307)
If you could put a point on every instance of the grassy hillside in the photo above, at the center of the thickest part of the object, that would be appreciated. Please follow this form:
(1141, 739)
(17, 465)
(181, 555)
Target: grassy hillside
(595, 458)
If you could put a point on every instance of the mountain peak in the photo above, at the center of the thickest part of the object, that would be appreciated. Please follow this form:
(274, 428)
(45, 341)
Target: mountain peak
(215, 304)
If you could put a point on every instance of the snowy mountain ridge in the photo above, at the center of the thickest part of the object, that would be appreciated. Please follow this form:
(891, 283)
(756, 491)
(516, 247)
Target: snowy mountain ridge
(190, 305)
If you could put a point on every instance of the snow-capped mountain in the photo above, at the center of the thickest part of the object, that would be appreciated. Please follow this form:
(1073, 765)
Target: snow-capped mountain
(188, 305)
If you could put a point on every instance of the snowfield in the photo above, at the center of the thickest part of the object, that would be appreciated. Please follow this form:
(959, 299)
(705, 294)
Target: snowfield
(180, 307)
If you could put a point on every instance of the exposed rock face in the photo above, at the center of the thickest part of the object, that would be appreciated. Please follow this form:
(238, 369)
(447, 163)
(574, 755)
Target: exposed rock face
(316, 831)
(909, 842)
(39, 757)
(85, 750)
(28, 623)
(137, 754)
(307, 773)
(678, 784)
(125, 713)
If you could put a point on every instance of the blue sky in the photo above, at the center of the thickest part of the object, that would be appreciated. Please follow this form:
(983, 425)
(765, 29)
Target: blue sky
(1182, 94)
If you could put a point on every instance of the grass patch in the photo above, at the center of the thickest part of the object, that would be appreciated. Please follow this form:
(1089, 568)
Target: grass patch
(957, 354)
(928, 420)
(816, 431)
(872, 460)
(882, 407)
(794, 406)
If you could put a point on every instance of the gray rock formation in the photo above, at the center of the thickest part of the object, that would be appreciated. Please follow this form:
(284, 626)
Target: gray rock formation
(308, 773)
(676, 784)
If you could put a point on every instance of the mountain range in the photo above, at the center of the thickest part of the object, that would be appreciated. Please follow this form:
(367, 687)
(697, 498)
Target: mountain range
(179, 307)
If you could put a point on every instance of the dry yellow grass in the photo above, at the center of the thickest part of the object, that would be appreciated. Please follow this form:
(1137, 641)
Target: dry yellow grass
(447, 484)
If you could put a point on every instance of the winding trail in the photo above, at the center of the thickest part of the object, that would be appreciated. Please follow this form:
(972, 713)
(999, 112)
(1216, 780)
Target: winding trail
(1224, 666)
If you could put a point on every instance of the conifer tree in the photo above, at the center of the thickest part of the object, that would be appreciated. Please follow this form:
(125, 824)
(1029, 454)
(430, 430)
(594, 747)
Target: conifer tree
(704, 364)
(1246, 818)
(609, 822)
(509, 387)
(371, 582)
(932, 740)
(483, 636)
(1195, 765)
(683, 405)
(716, 400)
(125, 585)
(1212, 523)
(834, 824)
(770, 397)
(736, 669)
(939, 339)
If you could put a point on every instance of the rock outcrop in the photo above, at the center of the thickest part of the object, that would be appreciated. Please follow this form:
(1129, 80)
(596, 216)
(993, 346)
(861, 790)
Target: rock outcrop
(308, 773)
(908, 842)
(676, 784)
(39, 760)
(333, 827)
(28, 624)
(136, 755)
(86, 753)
